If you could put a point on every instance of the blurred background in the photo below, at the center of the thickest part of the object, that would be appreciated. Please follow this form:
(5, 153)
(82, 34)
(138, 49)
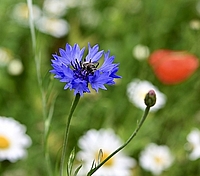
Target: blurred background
(118, 26)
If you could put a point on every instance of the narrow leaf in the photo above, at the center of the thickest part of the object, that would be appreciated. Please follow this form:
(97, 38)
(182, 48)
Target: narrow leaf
(77, 170)
(70, 162)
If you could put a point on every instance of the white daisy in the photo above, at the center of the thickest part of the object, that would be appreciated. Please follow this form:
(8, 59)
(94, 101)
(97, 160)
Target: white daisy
(21, 13)
(141, 52)
(193, 139)
(136, 91)
(13, 140)
(155, 158)
(107, 141)
(53, 26)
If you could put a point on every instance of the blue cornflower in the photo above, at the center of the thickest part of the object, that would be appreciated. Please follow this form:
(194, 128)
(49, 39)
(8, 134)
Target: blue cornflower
(78, 72)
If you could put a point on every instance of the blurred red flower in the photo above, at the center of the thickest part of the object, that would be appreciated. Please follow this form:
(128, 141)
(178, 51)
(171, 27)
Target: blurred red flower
(172, 67)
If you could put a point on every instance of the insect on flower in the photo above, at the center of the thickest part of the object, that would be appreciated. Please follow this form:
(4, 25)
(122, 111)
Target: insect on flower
(88, 67)
(78, 72)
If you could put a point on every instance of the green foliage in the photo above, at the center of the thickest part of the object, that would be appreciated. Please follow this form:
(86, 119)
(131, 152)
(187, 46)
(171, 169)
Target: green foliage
(119, 26)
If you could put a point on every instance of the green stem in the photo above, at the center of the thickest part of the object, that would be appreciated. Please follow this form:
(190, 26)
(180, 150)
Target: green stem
(46, 136)
(39, 79)
(73, 107)
(125, 144)
(43, 94)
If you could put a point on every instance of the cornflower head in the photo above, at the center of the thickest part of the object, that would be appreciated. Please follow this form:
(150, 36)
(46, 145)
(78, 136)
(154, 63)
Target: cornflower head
(78, 72)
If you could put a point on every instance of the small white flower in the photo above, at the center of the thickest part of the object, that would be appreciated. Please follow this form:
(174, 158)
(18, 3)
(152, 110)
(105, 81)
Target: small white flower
(21, 13)
(136, 91)
(141, 52)
(155, 158)
(55, 8)
(193, 139)
(15, 67)
(13, 140)
(107, 141)
(53, 26)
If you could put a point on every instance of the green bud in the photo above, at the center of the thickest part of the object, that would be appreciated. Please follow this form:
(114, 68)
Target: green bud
(150, 98)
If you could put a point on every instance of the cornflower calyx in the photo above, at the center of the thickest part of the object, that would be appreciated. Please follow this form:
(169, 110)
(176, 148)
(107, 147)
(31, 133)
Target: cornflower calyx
(78, 73)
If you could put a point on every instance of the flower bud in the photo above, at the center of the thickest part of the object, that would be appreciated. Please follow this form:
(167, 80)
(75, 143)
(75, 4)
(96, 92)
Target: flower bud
(150, 98)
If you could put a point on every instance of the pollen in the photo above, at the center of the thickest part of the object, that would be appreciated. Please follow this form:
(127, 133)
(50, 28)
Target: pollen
(4, 142)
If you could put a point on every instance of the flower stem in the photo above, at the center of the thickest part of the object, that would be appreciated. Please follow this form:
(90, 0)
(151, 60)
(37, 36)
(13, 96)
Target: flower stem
(37, 60)
(125, 144)
(73, 107)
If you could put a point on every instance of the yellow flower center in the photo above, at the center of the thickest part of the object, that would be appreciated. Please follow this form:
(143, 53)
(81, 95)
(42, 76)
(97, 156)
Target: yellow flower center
(4, 142)
(24, 11)
(158, 160)
(103, 157)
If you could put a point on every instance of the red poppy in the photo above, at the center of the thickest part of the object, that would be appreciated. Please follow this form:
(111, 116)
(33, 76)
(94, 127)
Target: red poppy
(172, 67)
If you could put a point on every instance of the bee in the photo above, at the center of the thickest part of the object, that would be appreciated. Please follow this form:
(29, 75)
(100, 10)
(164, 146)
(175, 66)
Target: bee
(89, 67)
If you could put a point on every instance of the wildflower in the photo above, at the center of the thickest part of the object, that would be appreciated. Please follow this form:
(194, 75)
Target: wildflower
(107, 141)
(15, 67)
(21, 13)
(53, 26)
(137, 90)
(13, 140)
(77, 73)
(172, 67)
(193, 139)
(141, 52)
(155, 158)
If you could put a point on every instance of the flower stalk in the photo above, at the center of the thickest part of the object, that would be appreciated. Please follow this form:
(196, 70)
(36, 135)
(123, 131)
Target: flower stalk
(64, 148)
(150, 97)
(125, 144)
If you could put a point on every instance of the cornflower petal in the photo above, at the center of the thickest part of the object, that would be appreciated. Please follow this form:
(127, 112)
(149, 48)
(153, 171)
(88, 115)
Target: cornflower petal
(80, 87)
(93, 54)
(77, 53)
(108, 65)
(115, 70)
(98, 80)
(68, 74)
(108, 62)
